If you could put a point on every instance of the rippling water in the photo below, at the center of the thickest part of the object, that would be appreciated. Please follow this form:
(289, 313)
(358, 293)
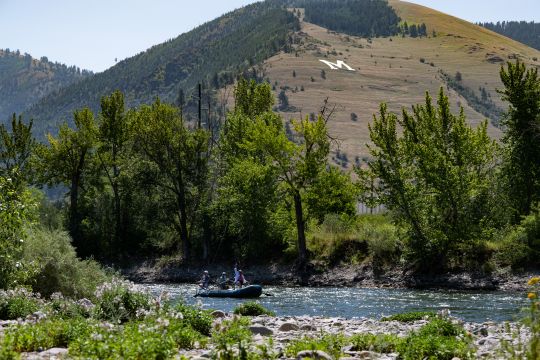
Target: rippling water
(358, 302)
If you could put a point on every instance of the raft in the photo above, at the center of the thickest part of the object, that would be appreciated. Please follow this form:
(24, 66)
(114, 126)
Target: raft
(251, 291)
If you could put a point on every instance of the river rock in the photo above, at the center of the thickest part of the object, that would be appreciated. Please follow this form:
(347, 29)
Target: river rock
(308, 328)
(261, 330)
(289, 327)
(313, 354)
(218, 314)
(54, 352)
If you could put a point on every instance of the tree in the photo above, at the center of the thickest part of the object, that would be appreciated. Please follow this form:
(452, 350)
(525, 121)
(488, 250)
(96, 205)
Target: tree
(298, 165)
(323, 74)
(113, 136)
(174, 157)
(16, 148)
(65, 161)
(354, 117)
(521, 135)
(283, 101)
(436, 179)
(294, 73)
(413, 30)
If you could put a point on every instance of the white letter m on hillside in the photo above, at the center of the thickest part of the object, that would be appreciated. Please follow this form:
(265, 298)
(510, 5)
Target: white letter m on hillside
(337, 65)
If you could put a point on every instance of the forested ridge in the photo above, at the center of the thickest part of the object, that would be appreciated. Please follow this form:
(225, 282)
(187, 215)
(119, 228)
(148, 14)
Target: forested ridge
(24, 80)
(525, 32)
(215, 52)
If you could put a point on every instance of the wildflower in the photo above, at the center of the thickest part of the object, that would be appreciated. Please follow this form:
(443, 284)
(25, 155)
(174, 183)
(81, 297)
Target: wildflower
(531, 296)
(534, 281)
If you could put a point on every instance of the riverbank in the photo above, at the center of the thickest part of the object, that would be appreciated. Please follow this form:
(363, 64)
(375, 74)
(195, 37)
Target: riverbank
(339, 276)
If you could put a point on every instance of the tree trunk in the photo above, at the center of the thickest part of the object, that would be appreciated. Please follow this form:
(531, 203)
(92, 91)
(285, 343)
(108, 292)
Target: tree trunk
(74, 212)
(300, 228)
(182, 212)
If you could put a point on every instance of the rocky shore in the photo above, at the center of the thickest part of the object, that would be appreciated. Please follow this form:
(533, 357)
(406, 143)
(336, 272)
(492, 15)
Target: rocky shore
(339, 276)
(488, 338)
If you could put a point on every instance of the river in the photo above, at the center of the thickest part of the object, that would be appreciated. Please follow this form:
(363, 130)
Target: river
(360, 302)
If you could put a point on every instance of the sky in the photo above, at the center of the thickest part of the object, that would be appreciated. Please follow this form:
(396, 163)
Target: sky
(91, 34)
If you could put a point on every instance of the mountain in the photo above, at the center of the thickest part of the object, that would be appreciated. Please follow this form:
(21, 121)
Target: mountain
(24, 80)
(396, 51)
(462, 57)
(525, 32)
(214, 52)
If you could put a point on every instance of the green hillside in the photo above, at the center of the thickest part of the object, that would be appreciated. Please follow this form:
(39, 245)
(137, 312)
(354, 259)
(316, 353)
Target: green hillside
(214, 52)
(24, 80)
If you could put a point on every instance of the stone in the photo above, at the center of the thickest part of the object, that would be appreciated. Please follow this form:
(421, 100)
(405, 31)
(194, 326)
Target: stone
(308, 328)
(218, 314)
(456, 358)
(367, 355)
(313, 354)
(261, 330)
(289, 327)
(54, 352)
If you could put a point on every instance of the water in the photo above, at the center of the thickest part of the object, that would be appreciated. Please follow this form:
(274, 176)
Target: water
(371, 303)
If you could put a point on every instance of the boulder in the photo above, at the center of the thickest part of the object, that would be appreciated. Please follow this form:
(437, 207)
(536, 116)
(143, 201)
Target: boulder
(54, 352)
(313, 354)
(261, 330)
(308, 328)
(218, 314)
(288, 326)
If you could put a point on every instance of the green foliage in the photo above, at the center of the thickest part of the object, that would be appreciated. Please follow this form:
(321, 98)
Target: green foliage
(329, 343)
(332, 192)
(24, 80)
(55, 266)
(15, 210)
(525, 32)
(436, 180)
(519, 246)
(18, 303)
(521, 162)
(380, 343)
(16, 147)
(45, 334)
(119, 301)
(252, 308)
(354, 17)
(410, 316)
(533, 320)
(150, 339)
(439, 339)
(200, 320)
(231, 339)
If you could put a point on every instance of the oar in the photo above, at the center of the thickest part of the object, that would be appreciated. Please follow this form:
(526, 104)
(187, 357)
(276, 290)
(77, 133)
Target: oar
(268, 294)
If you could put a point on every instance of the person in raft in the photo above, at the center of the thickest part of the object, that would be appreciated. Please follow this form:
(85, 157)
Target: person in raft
(239, 279)
(223, 281)
(205, 280)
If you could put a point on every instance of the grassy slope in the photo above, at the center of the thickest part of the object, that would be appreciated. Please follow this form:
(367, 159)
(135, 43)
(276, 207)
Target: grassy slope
(389, 70)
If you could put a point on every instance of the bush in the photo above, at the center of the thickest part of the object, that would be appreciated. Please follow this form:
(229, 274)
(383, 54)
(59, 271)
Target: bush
(227, 335)
(410, 316)
(120, 301)
(57, 268)
(381, 343)
(439, 339)
(200, 320)
(18, 303)
(45, 334)
(252, 308)
(533, 352)
(154, 338)
(63, 308)
(330, 344)
(520, 246)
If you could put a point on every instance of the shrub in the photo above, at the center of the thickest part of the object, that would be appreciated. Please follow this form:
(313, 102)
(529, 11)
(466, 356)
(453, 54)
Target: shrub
(154, 338)
(63, 308)
(200, 320)
(45, 334)
(330, 344)
(439, 339)
(410, 316)
(252, 308)
(229, 334)
(120, 301)
(533, 352)
(18, 303)
(57, 268)
(381, 343)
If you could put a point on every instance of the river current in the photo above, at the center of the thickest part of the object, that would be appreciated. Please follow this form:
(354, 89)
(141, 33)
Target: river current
(361, 302)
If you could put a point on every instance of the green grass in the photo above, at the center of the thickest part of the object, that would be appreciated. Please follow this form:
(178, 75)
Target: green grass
(252, 308)
(410, 316)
